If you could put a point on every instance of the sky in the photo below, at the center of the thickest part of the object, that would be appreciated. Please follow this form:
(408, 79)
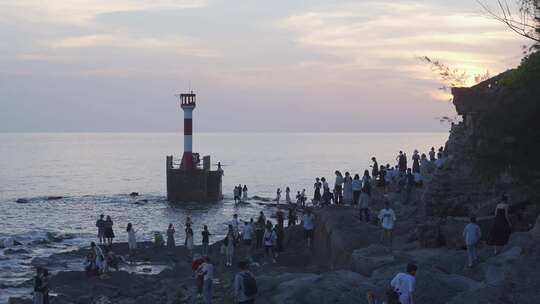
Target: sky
(255, 65)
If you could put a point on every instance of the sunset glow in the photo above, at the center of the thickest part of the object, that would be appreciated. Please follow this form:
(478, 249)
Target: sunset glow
(250, 55)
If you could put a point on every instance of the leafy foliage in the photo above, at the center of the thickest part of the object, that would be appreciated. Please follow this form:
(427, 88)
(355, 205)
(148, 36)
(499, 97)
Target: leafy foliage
(527, 74)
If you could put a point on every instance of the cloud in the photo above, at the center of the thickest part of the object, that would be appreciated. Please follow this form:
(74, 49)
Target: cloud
(382, 35)
(179, 44)
(54, 30)
(83, 12)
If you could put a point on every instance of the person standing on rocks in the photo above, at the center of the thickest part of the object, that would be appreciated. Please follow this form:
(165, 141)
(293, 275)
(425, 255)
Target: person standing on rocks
(404, 284)
(236, 194)
(278, 195)
(109, 232)
(230, 243)
(38, 294)
(288, 195)
(432, 154)
(247, 235)
(100, 224)
(270, 238)
(206, 270)
(327, 195)
(338, 188)
(170, 237)
(472, 235)
(189, 239)
(236, 225)
(317, 194)
(303, 198)
(356, 188)
(245, 193)
(347, 189)
(298, 198)
(205, 240)
(409, 185)
(440, 153)
(259, 229)
(500, 231)
(424, 165)
(402, 162)
(292, 217)
(381, 182)
(280, 216)
(245, 285)
(132, 238)
(416, 162)
(280, 235)
(308, 222)
(366, 182)
(364, 204)
(387, 217)
(45, 285)
(374, 168)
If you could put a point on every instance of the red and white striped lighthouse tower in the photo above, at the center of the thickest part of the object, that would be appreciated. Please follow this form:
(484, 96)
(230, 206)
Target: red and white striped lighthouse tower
(187, 103)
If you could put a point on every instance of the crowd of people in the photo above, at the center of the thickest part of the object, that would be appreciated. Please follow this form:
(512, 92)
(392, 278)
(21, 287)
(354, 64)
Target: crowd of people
(246, 237)
(240, 194)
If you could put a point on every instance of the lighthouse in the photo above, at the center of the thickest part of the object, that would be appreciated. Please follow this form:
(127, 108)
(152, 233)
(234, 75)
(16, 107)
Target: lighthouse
(188, 103)
(188, 181)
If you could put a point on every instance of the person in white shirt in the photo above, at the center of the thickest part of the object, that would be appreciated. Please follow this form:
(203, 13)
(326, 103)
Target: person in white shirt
(270, 238)
(132, 238)
(206, 269)
(235, 222)
(308, 222)
(288, 195)
(404, 284)
(472, 235)
(387, 217)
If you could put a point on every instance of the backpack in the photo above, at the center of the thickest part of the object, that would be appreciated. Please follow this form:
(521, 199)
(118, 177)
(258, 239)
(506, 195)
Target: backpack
(250, 285)
(367, 187)
(392, 296)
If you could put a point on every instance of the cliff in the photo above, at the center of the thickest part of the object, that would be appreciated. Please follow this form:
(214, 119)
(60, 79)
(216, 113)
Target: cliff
(494, 150)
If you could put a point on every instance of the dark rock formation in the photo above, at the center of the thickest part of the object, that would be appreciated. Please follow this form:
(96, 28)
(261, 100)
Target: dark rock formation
(485, 158)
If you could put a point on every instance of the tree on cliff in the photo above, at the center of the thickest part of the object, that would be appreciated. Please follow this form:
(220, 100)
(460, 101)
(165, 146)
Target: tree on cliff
(522, 17)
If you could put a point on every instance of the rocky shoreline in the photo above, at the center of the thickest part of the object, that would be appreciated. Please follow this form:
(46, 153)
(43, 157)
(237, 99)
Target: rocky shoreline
(345, 264)
(348, 260)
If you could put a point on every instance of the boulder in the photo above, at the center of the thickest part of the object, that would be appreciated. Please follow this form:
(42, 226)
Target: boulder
(59, 237)
(366, 260)
(332, 287)
(535, 232)
(13, 300)
(22, 201)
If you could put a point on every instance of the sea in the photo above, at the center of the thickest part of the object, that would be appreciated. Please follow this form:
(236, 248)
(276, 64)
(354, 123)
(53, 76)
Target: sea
(53, 186)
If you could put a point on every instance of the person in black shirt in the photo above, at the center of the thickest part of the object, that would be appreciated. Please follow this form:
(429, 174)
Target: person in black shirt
(38, 294)
(100, 224)
(205, 240)
(409, 184)
(375, 168)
